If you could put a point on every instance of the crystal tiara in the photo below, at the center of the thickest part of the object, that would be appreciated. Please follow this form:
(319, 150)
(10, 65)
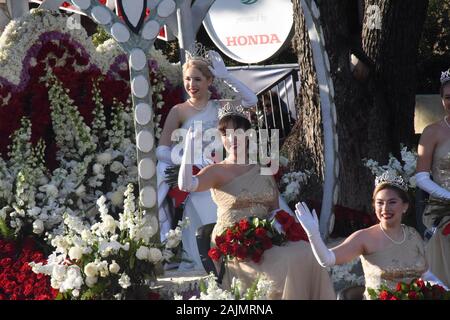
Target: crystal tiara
(197, 51)
(230, 109)
(388, 177)
(445, 76)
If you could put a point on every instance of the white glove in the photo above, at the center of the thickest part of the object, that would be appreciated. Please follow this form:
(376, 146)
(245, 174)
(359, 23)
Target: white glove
(310, 224)
(163, 154)
(186, 181)
(424, 181)
(219, 70)
(430, 277)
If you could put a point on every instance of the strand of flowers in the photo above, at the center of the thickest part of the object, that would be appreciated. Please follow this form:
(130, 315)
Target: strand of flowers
(407, 170)
(291, 184)
(106, 258)
(23, 33)
(258, 290)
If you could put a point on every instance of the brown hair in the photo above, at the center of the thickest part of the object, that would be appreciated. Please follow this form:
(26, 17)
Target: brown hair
(238, 122)
(200, 65)
(441, 90)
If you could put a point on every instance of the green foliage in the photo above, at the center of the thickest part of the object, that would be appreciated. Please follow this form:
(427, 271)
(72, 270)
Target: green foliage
(100, 36)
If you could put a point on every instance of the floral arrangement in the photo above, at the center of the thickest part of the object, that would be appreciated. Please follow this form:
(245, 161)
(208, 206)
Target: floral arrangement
(259, 290)
(250, 237)
(417, 289)
(17, 281)
(406, 170)
(103, 260)
(291, 184)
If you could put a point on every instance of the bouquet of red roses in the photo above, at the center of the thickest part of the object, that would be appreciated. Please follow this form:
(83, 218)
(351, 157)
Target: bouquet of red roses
(417, 289)
(250, 237)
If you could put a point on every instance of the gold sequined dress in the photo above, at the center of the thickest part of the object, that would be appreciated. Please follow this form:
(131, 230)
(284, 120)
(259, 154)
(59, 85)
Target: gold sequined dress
(397, 262)
(438, 247)
(292, 268)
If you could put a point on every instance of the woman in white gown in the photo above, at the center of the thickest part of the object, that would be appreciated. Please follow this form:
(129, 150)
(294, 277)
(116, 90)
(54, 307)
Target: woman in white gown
(198, 75)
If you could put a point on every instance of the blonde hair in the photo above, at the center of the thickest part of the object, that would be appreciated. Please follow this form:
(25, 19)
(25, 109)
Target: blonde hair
(200, 65)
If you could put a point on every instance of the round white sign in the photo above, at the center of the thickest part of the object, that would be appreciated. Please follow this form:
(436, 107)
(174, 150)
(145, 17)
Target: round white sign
(250, 31)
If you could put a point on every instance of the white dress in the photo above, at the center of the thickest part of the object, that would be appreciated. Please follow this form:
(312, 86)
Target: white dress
(199, 207)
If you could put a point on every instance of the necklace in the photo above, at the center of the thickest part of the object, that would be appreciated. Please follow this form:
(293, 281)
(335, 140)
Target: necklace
(396, 242)
(446, 122)
(196, 108)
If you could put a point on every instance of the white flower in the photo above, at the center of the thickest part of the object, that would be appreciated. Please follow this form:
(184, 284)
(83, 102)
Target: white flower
(91, 269)
(155, 255)
(75, 253)
(124, 281)
(98, 169)
(81, 191)
(91, 281)
(143, 253)
(117, 167)
(38, 226)
(114, 267)
(117, 198)
(104, 158)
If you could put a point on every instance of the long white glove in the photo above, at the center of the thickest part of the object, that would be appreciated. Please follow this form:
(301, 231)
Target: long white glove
(424, 181)
(430, 277)
(163, 153)
(186, 181)
(310, 224)
(219, 70)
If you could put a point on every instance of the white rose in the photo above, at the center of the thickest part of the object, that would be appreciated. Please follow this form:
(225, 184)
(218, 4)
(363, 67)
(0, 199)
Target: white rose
(38, 226)
(80, 191)
(97, 169)
(155, 255)
(124, 281)
(91, 269)
(117, 198)
(104, 158)
(142, 253)
(117, 167)
(114, 267)
(90, 281)
(59, 272)
(75, 253)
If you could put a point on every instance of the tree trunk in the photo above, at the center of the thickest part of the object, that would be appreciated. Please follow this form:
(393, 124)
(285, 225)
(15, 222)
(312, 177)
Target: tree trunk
(374, 115)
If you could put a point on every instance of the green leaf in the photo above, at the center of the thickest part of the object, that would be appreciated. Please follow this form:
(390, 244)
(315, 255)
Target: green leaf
(6, 232)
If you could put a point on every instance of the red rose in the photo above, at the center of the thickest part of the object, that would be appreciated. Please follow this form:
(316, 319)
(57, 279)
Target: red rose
(229, 235)
(219, 240)
(234, 248)
(244, 225)
(225, 248)
(420, 283)
(242, 252)
(249, 242)
(412, 295)
(393, 298)
(398, 288)
(384, 295)
(214, 254)
(257, 254)
(260, 232)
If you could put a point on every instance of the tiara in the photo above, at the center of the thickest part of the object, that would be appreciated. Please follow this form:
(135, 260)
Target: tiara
(197, 51)
(388, 177)
(445, 76)
(230, 109)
